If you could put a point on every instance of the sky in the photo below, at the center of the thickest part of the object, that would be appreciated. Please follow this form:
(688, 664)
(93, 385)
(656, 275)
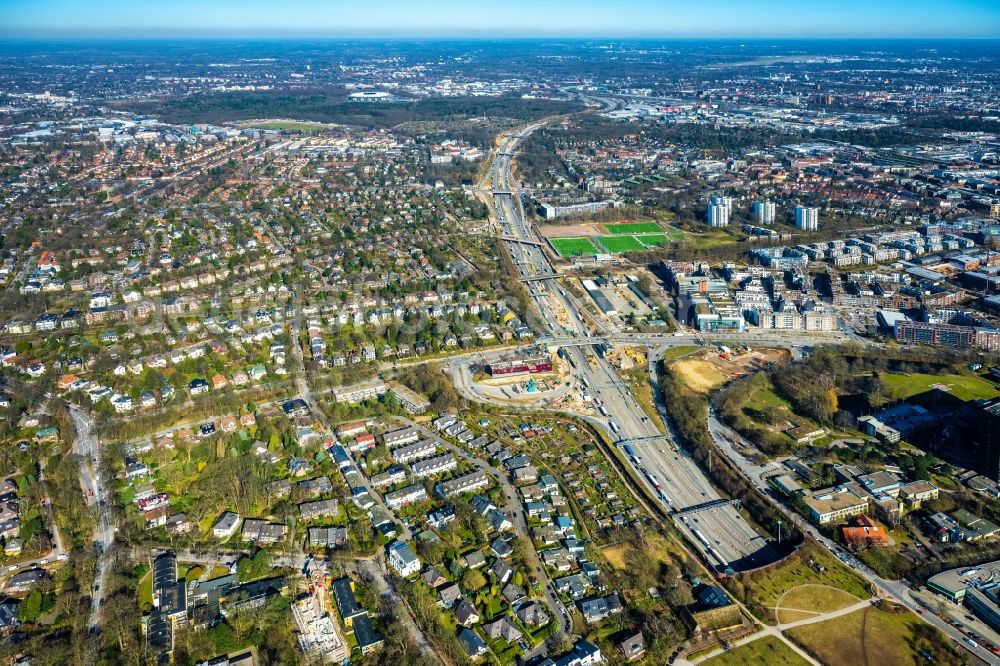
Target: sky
(30, 19)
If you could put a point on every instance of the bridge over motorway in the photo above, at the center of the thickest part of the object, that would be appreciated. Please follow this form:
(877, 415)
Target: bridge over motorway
(644, 440)
(540, 278)
(525, 241)
(707, 506)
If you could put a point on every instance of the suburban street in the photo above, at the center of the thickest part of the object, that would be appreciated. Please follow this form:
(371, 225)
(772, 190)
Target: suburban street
(86, 446)
(512, 509)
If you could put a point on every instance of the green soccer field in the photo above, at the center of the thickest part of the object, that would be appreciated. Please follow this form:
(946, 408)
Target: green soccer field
(628, 228)
(619, 244)
(573, 247)
(652, 240)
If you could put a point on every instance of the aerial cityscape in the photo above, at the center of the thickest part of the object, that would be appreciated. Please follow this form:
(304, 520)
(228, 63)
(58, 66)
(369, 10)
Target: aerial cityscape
(557, 334)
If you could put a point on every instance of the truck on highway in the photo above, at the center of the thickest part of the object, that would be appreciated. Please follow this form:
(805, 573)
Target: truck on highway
(602, 410)
(629, 451)
(614, 427)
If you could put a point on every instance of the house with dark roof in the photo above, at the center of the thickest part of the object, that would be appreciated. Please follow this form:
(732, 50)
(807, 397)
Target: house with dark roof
(513, 594)
(347, 603)
(364, 633)
(449, 595)
(532, 615)
(596, 609)
(466, 614)
(433, 577)
(8, 616)
(473, 644)
(502, 629)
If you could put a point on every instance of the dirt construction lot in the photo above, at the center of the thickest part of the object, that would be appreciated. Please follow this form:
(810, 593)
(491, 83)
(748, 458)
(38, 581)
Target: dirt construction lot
(569, 230)
(709, 370)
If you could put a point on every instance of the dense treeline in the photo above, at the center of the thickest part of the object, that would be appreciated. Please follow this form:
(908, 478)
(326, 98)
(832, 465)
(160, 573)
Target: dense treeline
(814, 388)
(330, 105)
(429, 380)
(751, 424)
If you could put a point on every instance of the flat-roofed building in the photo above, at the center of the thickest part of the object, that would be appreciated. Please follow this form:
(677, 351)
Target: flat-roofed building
(411, 401)
(831, 504)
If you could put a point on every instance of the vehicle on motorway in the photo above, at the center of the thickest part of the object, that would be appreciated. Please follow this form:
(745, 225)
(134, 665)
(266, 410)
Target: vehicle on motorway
(972, 643)
(614, 427)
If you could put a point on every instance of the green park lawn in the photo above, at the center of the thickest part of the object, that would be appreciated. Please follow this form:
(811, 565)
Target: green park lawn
(766, 651)
(963, 387)
(766, 587)
(765, 399)
(708, 240)
(288, 126)
(867, 636)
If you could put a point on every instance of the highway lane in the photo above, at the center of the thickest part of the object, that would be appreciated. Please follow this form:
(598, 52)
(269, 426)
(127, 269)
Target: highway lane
(721, 534)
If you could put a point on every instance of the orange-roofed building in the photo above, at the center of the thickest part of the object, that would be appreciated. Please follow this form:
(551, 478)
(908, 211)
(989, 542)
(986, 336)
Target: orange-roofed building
(66, 381)
(864, 532)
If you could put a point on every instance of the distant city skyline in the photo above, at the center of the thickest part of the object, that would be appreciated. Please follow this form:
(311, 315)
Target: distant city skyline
(36, 19)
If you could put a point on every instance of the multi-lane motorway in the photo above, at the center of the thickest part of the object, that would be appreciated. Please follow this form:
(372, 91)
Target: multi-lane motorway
(721, 533)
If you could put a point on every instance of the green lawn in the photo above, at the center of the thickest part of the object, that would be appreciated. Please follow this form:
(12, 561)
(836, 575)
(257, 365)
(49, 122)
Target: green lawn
(288, 126)
(652, 240)
(709, 239)
(767, 586)
(766, 651)
(765, 399)
(146, 591)
(963, 387)
(573, 247)
(868, 636)
(628, 228)
(618, 244)
(677, 352)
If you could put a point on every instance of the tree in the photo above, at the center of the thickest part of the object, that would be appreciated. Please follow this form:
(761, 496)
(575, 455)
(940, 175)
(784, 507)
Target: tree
(252, 568)
(473, 580)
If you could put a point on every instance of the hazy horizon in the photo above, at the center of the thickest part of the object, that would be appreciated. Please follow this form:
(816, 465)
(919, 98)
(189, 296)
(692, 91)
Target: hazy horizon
(450, 19)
